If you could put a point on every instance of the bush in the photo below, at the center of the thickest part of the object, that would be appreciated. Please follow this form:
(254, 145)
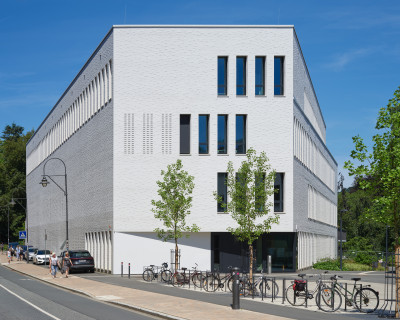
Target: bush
(327, 264)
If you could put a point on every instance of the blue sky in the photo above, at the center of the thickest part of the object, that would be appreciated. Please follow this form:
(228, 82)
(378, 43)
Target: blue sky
(352, 50)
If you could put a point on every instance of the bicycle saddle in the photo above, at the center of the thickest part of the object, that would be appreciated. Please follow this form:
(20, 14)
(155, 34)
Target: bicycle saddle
(184, 269)
(152, 265)
(356, 279)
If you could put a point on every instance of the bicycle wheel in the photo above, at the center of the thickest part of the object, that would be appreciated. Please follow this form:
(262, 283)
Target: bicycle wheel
(295, 297)
(269, 287)
(166, 276)
(178, 279)
(198, 279)
(148, 275)
(368, 301)
(230, 284)
(211, 283)
(328, 299)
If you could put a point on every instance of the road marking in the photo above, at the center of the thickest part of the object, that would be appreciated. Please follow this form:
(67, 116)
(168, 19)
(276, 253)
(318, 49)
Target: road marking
(31, 304)
(366, 272)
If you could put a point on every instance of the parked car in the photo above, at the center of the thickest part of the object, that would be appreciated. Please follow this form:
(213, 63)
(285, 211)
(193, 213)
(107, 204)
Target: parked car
(31, 253)
(41, 257)
(81, 260)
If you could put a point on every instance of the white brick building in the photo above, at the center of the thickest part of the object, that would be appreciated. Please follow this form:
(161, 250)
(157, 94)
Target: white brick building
(152, 94)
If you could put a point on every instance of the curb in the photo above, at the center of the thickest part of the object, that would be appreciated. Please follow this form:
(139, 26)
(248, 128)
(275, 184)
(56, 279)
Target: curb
(120, 304)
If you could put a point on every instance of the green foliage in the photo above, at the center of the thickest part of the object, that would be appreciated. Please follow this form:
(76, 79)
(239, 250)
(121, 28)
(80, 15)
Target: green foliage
(175, 191)
(327, 264)
(12, 178)
(249, 191)
(348, 265)
(378, 171)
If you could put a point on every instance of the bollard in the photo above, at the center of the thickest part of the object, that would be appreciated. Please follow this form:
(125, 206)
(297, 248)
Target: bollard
(122, 269)
(129, 270)
(269, 265)
(236, 289)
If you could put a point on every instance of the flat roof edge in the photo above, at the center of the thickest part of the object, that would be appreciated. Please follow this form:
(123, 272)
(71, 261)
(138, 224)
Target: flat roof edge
(199, 26)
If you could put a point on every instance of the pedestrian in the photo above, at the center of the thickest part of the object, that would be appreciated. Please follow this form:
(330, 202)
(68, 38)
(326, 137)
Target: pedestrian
(66, 264)
(53, 265)
(2, 248)
(17, 250)
(12, 252)
(9, 255)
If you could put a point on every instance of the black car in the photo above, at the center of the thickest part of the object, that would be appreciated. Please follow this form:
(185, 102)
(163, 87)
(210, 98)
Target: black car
(81, 260)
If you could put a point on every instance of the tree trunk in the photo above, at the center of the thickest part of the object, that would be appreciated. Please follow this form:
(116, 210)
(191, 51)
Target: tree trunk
(251, 262)
(397, 270)
(176, 255)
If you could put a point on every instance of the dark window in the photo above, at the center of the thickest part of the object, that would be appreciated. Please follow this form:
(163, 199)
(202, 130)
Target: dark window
(278, 195)
(222, 134)
(260, 76)
(278, 76)
(185, 134)
(222, 76)
(241, 76)
(241, 134)
(216, 249)
(222, 190)
(203, 134)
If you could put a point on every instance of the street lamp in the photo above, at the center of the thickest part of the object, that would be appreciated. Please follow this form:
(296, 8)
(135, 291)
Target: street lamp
(45, 182)
(13, 202)
(341, 237)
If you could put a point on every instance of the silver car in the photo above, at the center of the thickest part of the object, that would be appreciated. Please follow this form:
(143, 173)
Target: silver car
(41, 257)
(31, 253)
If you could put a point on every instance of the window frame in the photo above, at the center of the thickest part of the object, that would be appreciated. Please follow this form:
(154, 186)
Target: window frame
(223, 193)
(207, 142)
(244, 78)
(281, 186)
(225, 84)
(263, 60)
(281, 85)
(244, 128)
(180, 133)
(226, 117)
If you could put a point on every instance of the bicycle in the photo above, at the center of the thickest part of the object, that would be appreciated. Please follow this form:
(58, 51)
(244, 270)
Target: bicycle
(150, 273)
(364, 299)
(212, 281)
(180, 278)
(261, 285)
(197, 277)
(296, 293)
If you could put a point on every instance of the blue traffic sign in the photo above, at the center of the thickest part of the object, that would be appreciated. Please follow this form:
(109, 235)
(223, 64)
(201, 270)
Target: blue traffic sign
(22, 235)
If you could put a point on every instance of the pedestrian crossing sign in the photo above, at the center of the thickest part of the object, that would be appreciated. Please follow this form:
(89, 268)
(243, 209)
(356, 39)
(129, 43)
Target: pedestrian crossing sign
(22, 235)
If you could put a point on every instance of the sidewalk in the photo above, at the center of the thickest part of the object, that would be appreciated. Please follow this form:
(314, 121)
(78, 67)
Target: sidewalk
(166, 306)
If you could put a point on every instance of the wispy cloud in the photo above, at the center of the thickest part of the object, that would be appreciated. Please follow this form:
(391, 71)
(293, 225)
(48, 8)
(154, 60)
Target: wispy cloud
(339, 61)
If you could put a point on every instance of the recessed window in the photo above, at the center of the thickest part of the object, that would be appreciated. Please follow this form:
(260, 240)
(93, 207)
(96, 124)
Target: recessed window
(278, 195)
(185, 134)
(222, 76)
(260, 76)
(241, 134)
(222, 190)
(241, 76)
(203, 134)
(260, 193)
(278, 76)
(222, 134)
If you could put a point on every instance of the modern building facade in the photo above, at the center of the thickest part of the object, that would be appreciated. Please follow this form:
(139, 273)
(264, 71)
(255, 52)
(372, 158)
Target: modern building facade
(150, 95)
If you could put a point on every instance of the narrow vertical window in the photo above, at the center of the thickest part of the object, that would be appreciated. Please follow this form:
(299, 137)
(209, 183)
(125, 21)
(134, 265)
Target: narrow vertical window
(222, 134)
(241, 134)
(241, 76)
(278, 76)
(278, 195)
(260, 76)
(185, 134)
(222, 191)
(222, 76)
(203, 134)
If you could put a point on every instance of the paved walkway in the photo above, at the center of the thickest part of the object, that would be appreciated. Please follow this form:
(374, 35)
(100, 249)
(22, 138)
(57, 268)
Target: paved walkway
(167, 306)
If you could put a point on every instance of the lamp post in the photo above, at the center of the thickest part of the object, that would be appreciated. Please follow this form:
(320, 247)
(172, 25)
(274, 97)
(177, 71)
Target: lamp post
(341, 237)
(13, 202)
(45, 182)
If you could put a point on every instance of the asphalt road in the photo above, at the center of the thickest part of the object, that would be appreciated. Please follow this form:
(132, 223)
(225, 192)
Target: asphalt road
(22, 297)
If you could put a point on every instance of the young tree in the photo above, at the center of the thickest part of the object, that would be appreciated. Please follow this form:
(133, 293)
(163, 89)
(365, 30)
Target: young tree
(175, 191)
(379, 173)
(249, 190)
